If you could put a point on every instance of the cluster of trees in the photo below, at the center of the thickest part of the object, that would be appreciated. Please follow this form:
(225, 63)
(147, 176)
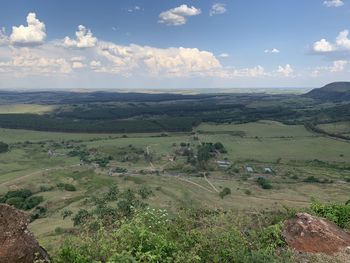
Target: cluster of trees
(4, 147)
(50, 123)
(111, 206)
(21, 199)
(313, 127)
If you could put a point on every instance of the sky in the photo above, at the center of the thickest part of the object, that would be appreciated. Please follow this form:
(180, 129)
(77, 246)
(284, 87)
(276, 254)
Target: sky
(163, 44)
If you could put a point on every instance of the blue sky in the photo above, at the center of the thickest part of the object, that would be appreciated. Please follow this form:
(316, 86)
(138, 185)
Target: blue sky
(173, 44)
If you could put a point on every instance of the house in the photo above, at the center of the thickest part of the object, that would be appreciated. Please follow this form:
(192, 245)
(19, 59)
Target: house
(249, 169)
(223, 164)
(267, 170)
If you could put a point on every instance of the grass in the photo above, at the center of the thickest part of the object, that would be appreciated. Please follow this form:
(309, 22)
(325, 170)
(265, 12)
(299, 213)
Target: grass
(336, 127)
(26, 108)
(261, 145)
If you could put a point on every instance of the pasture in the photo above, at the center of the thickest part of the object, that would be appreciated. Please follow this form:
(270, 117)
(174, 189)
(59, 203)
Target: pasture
(292, 152)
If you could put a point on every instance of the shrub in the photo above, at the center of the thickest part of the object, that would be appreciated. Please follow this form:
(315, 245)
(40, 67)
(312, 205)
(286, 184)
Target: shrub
(31, 202)
(81, 217)
(4, 147)
(191, 236)
(15, 201)
(39, 212)
(264, 183)
(311, 179)
(335, 212)
(21, 199)
(145, 192)
(67, 187)
(224, 192)
(66, 213)
(23, 193)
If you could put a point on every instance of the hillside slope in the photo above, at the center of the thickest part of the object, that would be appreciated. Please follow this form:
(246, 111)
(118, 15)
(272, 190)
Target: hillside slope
(336, 91)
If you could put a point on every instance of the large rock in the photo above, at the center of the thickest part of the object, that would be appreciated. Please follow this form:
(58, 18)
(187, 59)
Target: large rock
(306, 233)
(17, 244)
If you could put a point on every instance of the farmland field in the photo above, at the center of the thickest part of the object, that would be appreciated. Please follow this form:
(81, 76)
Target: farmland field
(292, 152)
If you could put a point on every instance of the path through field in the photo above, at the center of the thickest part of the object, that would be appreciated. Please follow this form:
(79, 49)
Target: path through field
(37, 173)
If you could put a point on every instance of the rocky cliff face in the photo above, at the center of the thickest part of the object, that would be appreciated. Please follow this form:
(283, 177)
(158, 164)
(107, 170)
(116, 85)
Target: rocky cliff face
(306, 233)
(17, 244)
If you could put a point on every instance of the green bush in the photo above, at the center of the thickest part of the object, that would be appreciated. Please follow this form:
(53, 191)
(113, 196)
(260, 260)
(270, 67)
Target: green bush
(335, 212)
(191, 236)
(4, 147)
(224, 192)
(21, 199)
(67, 187)
(145, 192)
(264, 183)
(15, 201)
(31, 202)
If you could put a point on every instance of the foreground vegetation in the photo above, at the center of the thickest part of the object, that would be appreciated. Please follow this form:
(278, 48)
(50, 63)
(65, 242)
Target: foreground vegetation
(173, 178)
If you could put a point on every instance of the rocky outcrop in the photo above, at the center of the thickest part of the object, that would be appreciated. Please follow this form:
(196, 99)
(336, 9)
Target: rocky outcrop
(17, 244)
(306, 233)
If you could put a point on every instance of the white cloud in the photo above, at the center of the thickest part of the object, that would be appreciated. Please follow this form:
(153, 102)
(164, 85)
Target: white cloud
(135, 8)
(79, 58)
(3, 37)
(178, 16)
(333, 3)
(257, 71)
(339, 65)
(94, 64)
(323, 46)
(343, 42)
(169, 61)
(84, 39)
(54, 57)
(285, 71)
(32, 34)
(27, 61)
(273, 51)
(78, 64)
(224, 55)
(217, 9)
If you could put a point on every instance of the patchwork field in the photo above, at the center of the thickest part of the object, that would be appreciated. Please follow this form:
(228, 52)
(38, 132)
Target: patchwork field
(41, 161)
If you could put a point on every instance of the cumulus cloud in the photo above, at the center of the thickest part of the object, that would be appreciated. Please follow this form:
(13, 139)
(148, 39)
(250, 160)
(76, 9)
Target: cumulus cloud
(217, 9)
(333, 3)
(178, 16)
(84, 39)
(29, 62)
(272, 51)
(339, 65)
(224, 55)
(167, 61)
(342, 43)
(323, 46)
(3, 37)
(32, 34)
(78, 62)
(285, 71)
(86, 54)
(257, 71)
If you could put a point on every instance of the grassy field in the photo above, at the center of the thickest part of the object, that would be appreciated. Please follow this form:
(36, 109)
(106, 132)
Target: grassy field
(290, 151)
(25, 108)
(336, 127)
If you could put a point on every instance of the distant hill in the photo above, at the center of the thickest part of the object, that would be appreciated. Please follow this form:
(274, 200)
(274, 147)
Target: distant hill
(336, 91)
